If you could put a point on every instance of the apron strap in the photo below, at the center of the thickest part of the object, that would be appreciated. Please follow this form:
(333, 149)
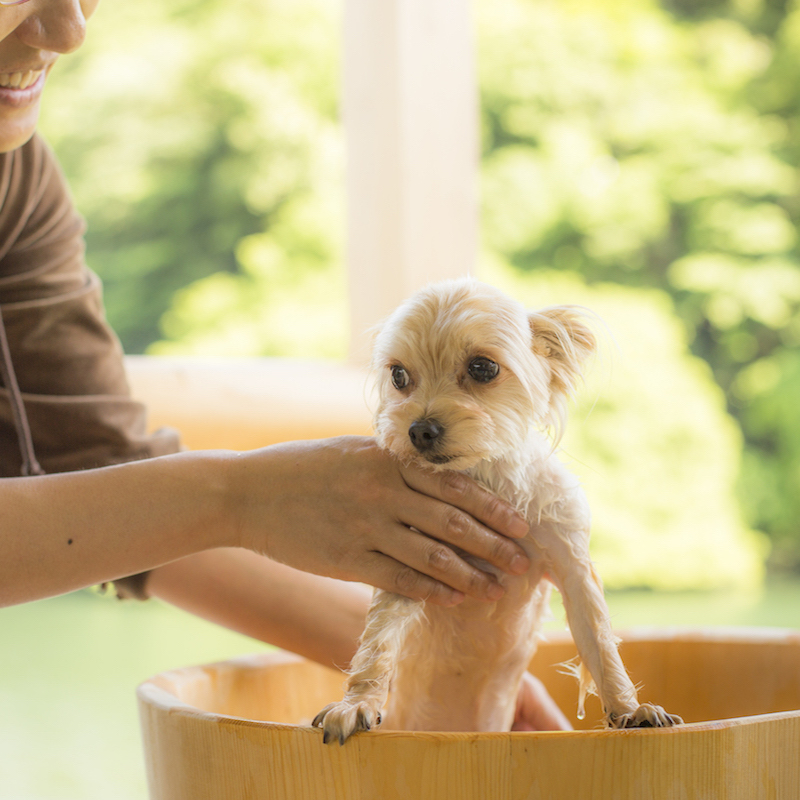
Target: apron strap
(30, 466)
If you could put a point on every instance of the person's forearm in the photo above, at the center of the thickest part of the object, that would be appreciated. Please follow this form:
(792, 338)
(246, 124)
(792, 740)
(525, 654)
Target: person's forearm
(338, 507)
(319, 618)
(63, 532)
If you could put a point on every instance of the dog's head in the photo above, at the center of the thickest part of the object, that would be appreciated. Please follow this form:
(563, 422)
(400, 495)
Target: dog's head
(463, 372)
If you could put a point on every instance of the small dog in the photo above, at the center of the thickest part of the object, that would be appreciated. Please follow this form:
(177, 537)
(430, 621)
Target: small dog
(468, 380)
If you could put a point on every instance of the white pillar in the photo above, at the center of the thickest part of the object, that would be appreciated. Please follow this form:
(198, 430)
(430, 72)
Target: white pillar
(411, 118)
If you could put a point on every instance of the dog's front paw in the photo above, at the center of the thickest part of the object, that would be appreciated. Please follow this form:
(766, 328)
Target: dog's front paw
(340, 720)
(646, 716)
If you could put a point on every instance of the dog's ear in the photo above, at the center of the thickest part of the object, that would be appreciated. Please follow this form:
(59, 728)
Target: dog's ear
(562, 337)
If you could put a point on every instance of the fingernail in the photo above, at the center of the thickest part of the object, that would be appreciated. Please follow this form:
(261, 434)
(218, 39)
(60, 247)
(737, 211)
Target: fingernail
(495, 591)
(454, 599)
(520, 564)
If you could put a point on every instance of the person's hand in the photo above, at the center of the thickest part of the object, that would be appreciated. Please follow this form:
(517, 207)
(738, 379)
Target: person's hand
(345, 508)
(536, 710)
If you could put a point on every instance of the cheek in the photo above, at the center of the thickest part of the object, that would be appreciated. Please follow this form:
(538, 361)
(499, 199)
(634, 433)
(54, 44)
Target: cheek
(492, 424)
(465, 421)
(88, 7)
(391, 423)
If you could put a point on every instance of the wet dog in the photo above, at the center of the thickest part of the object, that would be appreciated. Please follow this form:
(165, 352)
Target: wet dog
(469, 380)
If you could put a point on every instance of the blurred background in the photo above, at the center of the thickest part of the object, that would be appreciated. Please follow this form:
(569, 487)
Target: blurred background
(638, 157)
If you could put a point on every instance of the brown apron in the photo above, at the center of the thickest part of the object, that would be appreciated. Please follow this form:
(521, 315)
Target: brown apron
(61, 345)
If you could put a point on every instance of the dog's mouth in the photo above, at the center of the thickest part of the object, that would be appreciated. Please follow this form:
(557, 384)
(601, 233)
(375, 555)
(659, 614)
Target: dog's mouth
(439, 459)
(457, 461)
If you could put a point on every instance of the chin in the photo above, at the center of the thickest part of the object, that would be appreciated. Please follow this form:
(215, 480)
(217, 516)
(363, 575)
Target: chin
(17, 126)
(8, 144)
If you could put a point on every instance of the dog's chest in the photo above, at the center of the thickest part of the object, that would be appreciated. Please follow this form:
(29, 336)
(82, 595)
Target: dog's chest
(461, 666)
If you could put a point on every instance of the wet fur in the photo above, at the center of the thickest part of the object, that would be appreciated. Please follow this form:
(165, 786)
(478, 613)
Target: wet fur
(460, 668)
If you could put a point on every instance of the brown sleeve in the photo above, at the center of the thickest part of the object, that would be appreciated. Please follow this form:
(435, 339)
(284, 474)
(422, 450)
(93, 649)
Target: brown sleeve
(68, 361)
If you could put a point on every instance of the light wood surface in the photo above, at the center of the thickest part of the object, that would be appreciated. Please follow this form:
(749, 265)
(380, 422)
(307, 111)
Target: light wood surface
(410, 107)
(241, 404)
(238, 731)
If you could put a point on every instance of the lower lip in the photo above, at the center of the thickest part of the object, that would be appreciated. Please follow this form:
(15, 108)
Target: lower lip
(19, 98)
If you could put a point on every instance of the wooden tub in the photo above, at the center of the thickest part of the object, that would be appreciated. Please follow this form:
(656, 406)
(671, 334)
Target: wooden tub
(238, 730)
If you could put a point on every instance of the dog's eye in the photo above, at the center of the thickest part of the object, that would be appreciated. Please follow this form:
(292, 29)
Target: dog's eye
(483, 369)
(400, 377)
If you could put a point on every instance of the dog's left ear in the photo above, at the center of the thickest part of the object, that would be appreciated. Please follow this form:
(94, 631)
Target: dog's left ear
(562, 337)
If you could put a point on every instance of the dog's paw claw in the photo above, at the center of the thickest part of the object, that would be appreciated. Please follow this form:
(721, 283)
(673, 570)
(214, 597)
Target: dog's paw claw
(339, 721)
(646, 716)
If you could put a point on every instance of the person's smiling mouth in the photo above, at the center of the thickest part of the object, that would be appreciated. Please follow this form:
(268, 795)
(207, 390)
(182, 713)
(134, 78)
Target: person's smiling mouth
(20, 80)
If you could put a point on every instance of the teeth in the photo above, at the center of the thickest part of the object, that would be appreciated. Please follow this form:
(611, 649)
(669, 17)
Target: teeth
(19, 80)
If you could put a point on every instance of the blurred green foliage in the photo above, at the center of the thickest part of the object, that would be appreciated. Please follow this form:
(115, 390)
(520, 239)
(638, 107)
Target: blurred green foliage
(660, 475)
(645, 153)
(202, 139)
(655, 145)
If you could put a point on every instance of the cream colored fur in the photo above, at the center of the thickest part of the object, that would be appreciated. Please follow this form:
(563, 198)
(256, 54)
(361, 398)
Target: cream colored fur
(460, 668)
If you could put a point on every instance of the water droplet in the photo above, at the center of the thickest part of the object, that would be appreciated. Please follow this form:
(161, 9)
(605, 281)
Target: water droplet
(581, 713)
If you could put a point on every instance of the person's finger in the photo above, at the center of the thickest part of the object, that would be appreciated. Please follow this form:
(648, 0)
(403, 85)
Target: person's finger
(458, 490)
(456, 527)
(436, 560)
(394, 576)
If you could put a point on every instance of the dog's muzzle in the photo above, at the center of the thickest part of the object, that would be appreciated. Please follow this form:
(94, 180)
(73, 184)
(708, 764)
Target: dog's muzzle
(425, 434)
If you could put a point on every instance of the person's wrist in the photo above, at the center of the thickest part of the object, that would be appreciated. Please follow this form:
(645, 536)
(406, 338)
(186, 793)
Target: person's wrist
(245, 484)
(210, 499)
(227, 496)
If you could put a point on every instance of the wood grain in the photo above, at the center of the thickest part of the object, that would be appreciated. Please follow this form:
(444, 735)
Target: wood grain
(238, 730)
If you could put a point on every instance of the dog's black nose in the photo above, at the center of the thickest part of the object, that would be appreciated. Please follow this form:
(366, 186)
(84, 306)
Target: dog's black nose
(424, 434)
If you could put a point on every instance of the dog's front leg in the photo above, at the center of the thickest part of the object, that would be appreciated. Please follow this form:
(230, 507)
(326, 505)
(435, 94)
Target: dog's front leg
(589, 622)
(371, 669)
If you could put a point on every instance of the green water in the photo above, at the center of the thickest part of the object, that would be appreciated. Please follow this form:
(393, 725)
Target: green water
(69, 668)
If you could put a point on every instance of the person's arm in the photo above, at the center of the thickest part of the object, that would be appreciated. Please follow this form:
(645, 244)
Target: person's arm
(536, 710)
(63, 532)
(339, 507)
(316, 617)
